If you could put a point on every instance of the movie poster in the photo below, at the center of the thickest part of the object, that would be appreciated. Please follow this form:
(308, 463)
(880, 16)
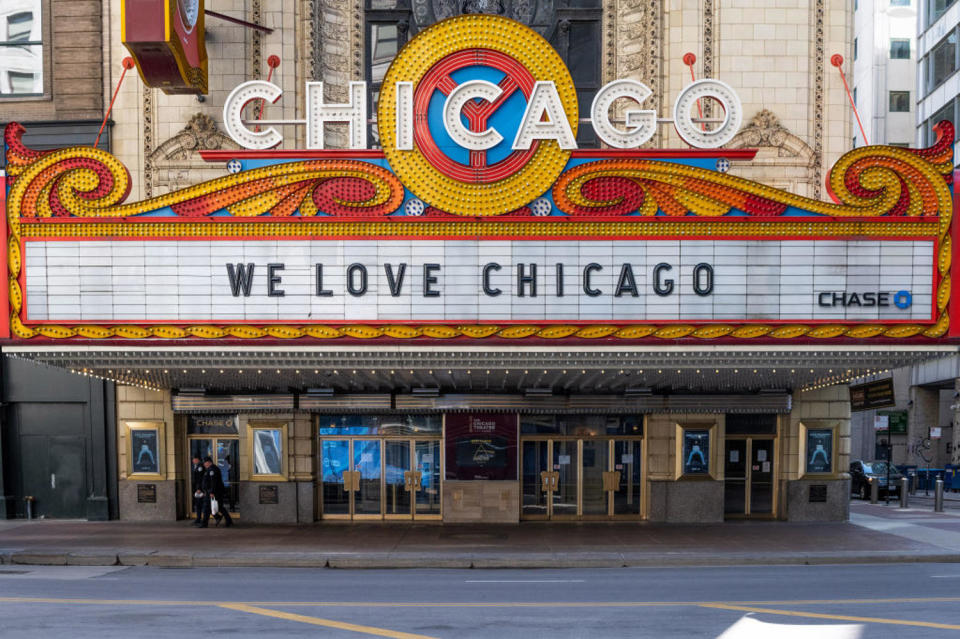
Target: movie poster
(696, 452)
(481, 446)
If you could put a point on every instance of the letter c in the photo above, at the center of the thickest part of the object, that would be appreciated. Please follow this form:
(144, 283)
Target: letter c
(233, 115)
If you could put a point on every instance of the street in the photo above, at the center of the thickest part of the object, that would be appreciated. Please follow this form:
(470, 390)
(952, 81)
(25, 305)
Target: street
(897, 600)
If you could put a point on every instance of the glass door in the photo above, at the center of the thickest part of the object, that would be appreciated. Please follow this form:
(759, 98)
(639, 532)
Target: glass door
(566, 465)
(596, 478)
(749, 471)
(224, 451)
(761, 477)
(735, 458)
(397, 478)
(536, 482)
(627, 455)
(426, 463)
(367, 488)
(336, 477)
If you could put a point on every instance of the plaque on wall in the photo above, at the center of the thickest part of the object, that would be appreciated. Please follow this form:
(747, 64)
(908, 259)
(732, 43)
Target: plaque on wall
(269, 495)
(146, 493)
(481, 446)
(818, 494)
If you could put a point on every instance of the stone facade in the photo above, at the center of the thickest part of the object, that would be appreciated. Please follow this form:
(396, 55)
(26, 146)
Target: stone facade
(776, 57)
(73, 37)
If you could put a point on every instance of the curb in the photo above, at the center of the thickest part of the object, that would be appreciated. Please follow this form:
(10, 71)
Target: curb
(401, 561)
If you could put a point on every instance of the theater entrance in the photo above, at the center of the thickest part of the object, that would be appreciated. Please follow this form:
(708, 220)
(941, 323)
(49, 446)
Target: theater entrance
(750, 466)
(581, 467)
(376, 467)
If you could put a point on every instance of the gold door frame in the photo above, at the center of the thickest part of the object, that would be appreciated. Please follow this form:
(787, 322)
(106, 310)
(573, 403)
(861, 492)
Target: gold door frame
(748, 482)
(611, 465)
(383, 516)
(233, 513)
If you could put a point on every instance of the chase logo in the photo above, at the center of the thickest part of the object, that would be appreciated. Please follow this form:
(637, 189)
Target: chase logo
(866, 299)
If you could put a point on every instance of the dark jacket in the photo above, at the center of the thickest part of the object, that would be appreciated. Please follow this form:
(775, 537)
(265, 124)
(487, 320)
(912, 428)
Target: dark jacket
(196, 477)
(212, 482)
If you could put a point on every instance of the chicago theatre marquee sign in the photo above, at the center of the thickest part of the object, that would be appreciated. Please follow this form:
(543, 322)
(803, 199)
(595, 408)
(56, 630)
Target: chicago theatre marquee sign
(481, 218)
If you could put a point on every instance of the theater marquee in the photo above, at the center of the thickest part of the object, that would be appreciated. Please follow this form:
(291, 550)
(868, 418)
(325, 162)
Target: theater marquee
(479, 218)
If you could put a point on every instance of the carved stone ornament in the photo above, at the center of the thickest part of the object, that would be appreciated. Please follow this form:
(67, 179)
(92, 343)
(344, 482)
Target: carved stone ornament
(200, 134)
(764, 130)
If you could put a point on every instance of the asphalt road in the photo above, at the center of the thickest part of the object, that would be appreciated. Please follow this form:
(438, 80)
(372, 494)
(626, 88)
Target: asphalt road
(901, 600)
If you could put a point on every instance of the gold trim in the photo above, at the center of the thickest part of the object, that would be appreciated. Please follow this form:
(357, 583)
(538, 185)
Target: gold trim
(284, 455)
(160, 428)
(471, 229)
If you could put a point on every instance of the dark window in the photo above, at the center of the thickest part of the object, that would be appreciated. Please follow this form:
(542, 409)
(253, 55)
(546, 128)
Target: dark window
(21, 53)
(899, 102)
(942, 61)
(573, 27)
(856, 46)
(762, 424)
(899, 48)
(946, 113)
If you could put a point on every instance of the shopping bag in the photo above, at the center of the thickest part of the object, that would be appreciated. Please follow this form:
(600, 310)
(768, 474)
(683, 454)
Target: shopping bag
(214, 506)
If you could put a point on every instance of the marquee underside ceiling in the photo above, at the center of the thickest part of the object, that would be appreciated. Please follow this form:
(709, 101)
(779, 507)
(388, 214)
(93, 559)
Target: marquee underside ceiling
(396, 369)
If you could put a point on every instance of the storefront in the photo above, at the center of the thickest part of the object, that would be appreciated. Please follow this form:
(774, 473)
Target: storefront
(478, 321)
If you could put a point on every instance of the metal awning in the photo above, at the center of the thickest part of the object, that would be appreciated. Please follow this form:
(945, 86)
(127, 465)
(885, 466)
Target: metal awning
(470, 369)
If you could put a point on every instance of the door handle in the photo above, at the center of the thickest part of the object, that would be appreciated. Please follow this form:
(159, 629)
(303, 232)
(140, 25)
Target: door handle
(611, 480)
(412, 480)
(351, 480)
(548, 480)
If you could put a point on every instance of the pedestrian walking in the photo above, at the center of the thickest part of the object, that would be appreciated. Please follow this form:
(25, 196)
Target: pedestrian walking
(212, 486)
(196, 478)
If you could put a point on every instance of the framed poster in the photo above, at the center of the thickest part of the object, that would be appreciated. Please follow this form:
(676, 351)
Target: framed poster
(145, 449)
(481, 446)
(695, 444)
(819, 444)
(268, 442)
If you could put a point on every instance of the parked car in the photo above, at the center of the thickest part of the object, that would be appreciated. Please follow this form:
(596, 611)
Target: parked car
(861, 473)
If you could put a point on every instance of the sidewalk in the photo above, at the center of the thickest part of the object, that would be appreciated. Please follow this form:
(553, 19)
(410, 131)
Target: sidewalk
(877, 535)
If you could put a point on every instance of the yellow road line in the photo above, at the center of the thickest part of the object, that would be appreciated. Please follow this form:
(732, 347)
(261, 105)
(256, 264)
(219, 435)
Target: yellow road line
(818, 615)
(327, 623)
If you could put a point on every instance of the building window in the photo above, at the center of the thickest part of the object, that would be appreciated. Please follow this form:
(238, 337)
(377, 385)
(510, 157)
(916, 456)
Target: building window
(937, 9)
(942, 61)
(855, 47)
(945, 113)
(899, 48)
(899, 102)
(900, 3)
(573, 27)
(21, 48)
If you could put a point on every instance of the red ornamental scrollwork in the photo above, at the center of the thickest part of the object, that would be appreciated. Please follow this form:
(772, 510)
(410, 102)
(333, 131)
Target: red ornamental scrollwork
(866, 182)
(87, 182)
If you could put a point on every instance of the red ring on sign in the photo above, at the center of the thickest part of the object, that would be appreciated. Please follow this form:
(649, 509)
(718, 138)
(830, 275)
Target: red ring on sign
(438, 79)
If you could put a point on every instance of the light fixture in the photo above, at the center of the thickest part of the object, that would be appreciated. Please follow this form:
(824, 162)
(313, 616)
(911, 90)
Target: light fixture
(426, 392)
(637, 391)
(538, 392)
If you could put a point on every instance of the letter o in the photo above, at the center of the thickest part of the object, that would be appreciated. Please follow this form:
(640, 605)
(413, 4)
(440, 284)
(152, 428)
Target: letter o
(691, 132)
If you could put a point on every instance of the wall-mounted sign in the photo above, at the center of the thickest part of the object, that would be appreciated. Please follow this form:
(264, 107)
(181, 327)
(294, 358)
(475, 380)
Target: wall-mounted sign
(696, 452)
(479, 218)
(878, 394)
(481, 446)
(166, 40)
(896, 420)
(213, 425)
